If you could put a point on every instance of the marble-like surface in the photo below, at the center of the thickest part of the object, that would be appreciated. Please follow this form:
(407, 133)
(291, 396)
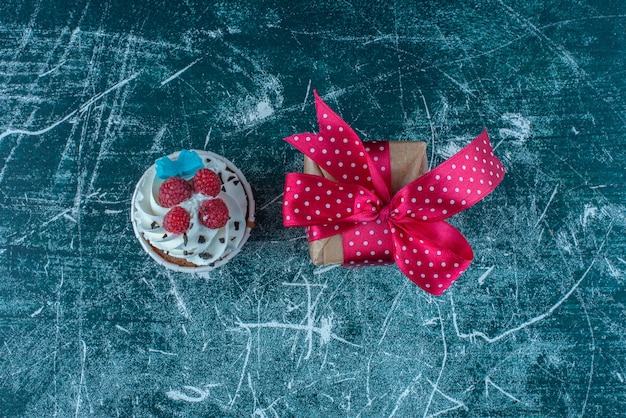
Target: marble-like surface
(91, 93)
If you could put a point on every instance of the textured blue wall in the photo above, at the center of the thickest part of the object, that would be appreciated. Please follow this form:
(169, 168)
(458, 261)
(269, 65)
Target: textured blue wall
(91, 93)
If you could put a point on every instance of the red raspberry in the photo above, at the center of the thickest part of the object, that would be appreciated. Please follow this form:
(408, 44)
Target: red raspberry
(176, 220)
(173, 191)
(213, 213)
(206, 182)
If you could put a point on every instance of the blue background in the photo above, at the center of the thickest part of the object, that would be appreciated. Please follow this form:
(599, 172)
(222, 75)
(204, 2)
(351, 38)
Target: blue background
(91, 93)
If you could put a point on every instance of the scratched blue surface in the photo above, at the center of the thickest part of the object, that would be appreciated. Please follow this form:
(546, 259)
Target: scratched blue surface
(91, 93)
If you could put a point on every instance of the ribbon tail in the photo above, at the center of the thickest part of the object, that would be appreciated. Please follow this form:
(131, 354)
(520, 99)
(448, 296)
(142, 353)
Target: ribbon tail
(453, 186)
(348, 143)
(432, 255)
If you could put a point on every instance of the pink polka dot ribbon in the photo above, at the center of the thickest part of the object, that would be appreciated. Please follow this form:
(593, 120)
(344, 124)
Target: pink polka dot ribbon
(407, 228)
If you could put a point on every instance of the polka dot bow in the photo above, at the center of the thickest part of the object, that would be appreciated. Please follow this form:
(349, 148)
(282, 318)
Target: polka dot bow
(407, 228)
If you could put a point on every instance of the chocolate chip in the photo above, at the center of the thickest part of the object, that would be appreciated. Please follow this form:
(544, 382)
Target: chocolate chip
(237, 225)
(185, 239)
(201, 239)
(154, 225)
(231, 178)
(164, 236)
(222, 240)
(206, 256)
(236, 182)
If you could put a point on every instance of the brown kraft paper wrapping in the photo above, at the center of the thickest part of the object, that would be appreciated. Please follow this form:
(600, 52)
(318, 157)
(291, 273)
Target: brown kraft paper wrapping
(408, 162)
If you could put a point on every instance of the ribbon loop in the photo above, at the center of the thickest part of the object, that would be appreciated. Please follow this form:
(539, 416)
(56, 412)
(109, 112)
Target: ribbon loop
(426, 259)
(313, 200)
(377, 228)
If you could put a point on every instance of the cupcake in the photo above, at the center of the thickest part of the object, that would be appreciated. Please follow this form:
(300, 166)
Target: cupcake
(192, 211)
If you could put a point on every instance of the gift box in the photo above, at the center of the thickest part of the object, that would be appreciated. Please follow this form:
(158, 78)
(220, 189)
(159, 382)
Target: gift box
(408, 162)
(374, 203)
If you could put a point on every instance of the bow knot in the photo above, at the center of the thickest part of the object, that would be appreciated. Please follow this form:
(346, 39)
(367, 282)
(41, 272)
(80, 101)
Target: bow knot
(376, 227)
(385, 213)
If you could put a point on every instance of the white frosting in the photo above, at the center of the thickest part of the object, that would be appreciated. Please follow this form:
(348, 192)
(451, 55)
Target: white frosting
(199, 245)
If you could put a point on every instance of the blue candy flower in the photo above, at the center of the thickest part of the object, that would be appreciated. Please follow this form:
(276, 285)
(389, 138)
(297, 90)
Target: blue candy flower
(186, 165)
